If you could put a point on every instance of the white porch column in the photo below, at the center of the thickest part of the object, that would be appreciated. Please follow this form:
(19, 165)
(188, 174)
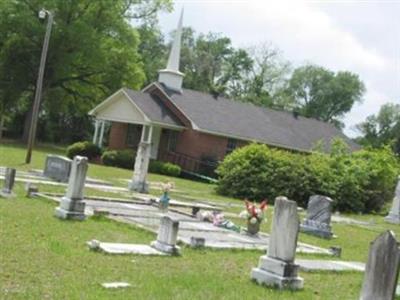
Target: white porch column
(96, 131)
(100, 142)
(138, 182)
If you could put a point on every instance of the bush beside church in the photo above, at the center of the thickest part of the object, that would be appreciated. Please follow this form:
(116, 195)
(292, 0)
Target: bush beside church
(359, 181)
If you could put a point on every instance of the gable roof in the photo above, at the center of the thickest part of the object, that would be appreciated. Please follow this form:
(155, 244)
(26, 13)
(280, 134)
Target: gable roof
(246, 121)
(136, 107)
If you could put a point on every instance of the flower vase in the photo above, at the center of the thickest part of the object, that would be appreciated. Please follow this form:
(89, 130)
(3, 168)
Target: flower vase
(164, 201)
(253, 228)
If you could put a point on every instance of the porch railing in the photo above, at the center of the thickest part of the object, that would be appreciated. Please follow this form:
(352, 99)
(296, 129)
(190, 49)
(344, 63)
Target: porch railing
(191, 164)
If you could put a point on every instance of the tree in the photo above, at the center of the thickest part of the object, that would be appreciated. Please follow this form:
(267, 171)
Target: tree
(263, 84)
(322, 94)
(382, 129)
(93, 52)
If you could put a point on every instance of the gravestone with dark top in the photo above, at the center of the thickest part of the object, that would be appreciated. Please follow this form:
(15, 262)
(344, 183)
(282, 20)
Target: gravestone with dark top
(277, 268)
(394, 214)
(9, 180)
(381, 272)
(71, 205)
(318, 218)
(57, 167)
(167, 236)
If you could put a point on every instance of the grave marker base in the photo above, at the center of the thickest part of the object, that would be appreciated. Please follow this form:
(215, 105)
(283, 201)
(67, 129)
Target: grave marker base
(268, 278)
(170, 249)
(393, 218)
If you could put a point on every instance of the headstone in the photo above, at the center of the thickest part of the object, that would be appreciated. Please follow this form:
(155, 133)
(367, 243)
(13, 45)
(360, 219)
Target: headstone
(277, 268)
(167, 236)
(197, 242)
(57, 167)
(31, 189)
(394, 214)
(318, 217)
(139, 183)
(71, 205)
(9, 180)
(380, 278)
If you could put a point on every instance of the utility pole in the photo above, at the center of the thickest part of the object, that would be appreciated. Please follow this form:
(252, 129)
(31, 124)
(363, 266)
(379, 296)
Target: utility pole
(39, 84)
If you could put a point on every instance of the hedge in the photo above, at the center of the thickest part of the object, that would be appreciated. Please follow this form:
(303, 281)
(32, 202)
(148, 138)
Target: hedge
(119, 158)
(357, 182)
(126, 159)
(87, 149)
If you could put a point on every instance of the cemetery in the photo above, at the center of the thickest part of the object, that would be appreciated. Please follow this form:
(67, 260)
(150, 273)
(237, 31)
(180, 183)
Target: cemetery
(91, 235)
(138, 165)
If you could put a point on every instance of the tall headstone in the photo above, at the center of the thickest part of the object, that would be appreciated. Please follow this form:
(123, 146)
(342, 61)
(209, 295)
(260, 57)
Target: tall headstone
(277, 268)
(394, 214)
(167, 236)
(381, 272)
(9, 180)
(57, 167)
(318, 218)
(139, 183)
(71, 205)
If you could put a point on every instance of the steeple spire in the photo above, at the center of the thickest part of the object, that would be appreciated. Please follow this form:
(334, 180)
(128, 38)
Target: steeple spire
(171, 76)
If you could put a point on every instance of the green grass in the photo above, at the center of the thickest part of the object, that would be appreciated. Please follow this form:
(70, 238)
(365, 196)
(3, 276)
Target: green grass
(42, 257)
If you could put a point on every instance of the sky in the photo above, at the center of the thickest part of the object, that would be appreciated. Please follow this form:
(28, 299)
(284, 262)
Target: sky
(358, 36)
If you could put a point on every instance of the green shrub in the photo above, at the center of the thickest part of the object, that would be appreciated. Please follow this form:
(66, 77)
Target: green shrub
(164, 168)
(119, 158)
(87, 149)
(360, 182)
(126, 159)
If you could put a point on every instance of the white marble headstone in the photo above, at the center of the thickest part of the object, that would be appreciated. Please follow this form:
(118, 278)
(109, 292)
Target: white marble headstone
(380, 278)
(285, 228)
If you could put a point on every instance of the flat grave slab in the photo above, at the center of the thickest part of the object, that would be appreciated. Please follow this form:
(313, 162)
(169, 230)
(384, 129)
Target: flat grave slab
(118, 248)
(148, 217)
(330, 265)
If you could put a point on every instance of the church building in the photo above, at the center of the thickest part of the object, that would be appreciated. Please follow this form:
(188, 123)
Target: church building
(196, 130)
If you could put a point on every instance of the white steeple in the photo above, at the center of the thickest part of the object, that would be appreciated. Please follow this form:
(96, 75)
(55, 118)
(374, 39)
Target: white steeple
(171, 76)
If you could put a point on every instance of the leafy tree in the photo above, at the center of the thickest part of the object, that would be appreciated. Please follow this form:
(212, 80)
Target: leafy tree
(152, 50)
(93, 51)
(322, 94)
(263, 84)
(383, 128)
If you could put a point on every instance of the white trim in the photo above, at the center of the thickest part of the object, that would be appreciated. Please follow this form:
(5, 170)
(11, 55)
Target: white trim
(109, 99)
(168, 126)
(106, 102)
(147, 119)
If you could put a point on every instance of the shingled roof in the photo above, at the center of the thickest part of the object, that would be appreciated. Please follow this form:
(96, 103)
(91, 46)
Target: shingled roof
(221, 116)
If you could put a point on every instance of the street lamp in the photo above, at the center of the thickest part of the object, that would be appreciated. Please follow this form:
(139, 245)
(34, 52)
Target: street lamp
(39, 83)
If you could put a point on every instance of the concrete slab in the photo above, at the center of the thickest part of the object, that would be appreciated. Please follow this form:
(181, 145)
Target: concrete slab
(114, 285)
(148, 217)
(117, 248)
(330, 265)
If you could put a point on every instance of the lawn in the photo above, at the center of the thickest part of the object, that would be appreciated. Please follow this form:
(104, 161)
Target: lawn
(42, 257)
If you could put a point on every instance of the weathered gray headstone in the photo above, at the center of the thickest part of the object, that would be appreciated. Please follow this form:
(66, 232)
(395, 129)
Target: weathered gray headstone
(167, 236)
(138, 182)
(318, 218)
(277, 268)
(57, 167)
(31, 189)
(394, 214)
(380, 278)
(71, 205)
(9, 180)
